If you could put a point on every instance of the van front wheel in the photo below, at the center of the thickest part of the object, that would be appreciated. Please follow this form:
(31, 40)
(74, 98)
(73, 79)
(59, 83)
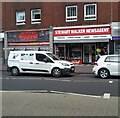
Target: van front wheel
(56, 72)
(14, 71)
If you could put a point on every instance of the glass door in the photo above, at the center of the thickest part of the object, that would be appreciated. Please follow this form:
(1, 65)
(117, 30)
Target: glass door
(89, 53)
(61, 51)
(86, 53)
(93, 52)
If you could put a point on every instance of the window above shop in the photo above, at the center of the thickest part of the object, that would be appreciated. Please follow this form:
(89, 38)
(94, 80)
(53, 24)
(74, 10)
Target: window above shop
(35, 16)
(90, 12)
(20, 17)
(71, 13)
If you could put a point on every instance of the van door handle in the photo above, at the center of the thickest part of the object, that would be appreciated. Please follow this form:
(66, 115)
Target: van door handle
(36, 63)
(31, 62)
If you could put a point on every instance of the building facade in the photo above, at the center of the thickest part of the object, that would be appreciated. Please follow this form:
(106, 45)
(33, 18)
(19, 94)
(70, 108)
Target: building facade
(73, 30)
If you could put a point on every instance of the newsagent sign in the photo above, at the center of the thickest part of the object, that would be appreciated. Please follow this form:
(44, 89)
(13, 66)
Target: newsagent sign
(28, 36)
(89, 32)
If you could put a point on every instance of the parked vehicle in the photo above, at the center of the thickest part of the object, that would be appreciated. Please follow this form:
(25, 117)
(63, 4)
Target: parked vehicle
(38, 62)
(107, 65)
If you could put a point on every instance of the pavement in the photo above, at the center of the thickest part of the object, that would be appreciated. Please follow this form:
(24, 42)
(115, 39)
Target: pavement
(58, 104)
(81, 69)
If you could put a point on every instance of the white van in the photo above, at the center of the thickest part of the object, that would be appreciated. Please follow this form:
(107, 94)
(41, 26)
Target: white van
(38, 62)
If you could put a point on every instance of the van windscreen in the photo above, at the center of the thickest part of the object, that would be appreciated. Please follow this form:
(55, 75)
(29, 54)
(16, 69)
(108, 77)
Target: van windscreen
(52, 56)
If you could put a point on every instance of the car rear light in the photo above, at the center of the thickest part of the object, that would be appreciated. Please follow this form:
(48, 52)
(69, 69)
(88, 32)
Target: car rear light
(96, 64)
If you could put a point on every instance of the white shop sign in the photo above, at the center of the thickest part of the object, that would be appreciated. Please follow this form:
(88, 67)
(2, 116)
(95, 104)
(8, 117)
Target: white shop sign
(82, 37)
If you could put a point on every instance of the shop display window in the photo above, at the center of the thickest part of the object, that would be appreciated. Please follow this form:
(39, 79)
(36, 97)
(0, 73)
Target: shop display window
(117, 47)
(103, 47)
(75, 51)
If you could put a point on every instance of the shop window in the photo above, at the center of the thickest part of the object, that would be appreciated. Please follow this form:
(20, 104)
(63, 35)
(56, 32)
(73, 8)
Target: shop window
(35, 16)
(117, 47)
(71, 13)
(90, 12)
(75, 51)
(102, 48)
(20, 17)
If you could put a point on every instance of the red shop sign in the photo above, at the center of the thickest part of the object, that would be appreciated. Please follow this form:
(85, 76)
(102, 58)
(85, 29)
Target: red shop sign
(28, 36)
(83, 31)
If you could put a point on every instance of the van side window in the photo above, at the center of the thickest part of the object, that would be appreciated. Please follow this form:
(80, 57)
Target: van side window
(40, 57)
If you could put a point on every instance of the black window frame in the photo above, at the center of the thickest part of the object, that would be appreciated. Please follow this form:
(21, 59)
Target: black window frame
(45, 58)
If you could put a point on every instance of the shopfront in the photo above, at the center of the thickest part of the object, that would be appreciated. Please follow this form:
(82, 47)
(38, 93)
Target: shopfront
(79, 44)
(1, 45)
(116, 36)
(28, 40)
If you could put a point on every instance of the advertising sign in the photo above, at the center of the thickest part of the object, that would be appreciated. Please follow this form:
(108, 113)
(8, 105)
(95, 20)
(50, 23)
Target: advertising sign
(28, 36)
(82, 33)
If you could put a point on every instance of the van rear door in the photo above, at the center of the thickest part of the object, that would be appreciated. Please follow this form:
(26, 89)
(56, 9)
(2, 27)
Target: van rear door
(26, 61)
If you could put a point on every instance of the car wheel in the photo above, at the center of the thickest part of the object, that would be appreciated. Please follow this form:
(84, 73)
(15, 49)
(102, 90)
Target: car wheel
(104, 73)
(14, 71)
(56, 72)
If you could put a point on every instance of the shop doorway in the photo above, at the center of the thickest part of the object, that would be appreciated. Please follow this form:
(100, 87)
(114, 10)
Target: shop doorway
(61, 51)
(89, 53)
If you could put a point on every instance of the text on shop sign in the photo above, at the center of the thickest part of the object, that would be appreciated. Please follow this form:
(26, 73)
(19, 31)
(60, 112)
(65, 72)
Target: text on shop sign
(28, 36)
(82, 31)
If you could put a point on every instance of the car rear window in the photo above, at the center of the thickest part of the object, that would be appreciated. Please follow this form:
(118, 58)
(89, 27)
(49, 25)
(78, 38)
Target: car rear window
(112, 59)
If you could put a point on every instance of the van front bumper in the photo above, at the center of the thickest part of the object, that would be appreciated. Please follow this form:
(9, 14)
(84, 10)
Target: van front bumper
(8, 69)
(68, 71)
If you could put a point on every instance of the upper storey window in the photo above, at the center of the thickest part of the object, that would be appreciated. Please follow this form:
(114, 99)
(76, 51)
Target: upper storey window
(90, 12)
(35, 16)
(71, 13)
(20, 17)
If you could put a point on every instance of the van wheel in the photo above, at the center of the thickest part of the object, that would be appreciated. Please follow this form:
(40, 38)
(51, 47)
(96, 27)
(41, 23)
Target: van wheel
(104, 73)
(56, 72)
(14, 71)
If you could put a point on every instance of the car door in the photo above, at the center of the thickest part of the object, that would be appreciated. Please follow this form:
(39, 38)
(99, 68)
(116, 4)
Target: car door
(112, 65)
(42, 63)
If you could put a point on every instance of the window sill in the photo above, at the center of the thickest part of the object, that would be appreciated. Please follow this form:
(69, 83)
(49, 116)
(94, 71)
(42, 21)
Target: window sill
(20, 23)
(71, 20)
(35, 22)
(90, 19)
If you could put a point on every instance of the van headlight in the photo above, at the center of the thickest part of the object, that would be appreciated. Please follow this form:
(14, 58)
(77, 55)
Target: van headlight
(64, 64)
